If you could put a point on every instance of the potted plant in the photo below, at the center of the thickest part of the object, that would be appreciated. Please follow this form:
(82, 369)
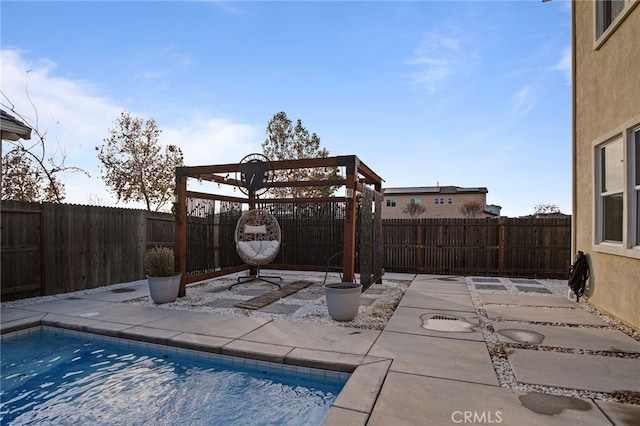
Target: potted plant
(343, 300)
(164, 281)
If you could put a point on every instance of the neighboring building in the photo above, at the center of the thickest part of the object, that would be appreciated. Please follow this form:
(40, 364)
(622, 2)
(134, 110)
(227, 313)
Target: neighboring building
(13, 129)
(555, 215)
(606, 152)
(438, 201)
(493, 210)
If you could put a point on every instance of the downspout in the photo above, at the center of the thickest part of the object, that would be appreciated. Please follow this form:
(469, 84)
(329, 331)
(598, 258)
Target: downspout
(574, 168)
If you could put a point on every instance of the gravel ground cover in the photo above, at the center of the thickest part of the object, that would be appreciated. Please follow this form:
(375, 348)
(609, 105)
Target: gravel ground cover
(305, 306)
(497, 348)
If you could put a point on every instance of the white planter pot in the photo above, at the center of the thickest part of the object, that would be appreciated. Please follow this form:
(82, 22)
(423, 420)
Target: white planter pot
(343, 300)
(164, 289)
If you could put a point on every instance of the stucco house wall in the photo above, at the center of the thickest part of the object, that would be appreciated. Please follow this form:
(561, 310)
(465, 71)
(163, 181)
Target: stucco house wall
(606, 104)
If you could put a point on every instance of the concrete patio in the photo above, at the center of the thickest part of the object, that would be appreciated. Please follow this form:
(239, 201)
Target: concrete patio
(430, 365)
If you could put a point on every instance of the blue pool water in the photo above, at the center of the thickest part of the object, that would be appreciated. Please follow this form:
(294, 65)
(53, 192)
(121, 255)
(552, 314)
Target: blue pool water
(62, 378)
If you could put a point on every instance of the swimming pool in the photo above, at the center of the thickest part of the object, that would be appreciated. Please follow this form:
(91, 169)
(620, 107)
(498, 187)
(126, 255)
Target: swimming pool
(52, 376)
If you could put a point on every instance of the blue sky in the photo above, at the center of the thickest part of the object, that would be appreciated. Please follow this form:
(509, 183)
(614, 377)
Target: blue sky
(424, 92)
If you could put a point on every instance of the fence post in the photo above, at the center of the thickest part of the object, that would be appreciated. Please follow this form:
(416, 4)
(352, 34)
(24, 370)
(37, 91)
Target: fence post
(501, 238)
(143, 240)
(420, 250)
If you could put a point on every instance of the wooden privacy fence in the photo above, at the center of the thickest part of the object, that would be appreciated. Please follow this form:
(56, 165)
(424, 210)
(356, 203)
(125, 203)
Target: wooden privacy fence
(517, 247)
(57, 248)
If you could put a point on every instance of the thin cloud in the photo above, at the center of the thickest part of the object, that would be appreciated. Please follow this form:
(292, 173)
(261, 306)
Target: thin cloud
(207, 140)
(564, 65)
(69, 112)
(523, 101)
(161, 70)
(226, 5)
(76, 119)
(150, 75)
(435, 59)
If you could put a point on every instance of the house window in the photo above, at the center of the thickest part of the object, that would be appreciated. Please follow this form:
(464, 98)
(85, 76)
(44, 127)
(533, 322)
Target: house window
(635, 211)
(609, 14)
(450, 200)
(611, 190)
(391, 203)
(617, 185)
(437, 200)
(606, 12)
(415, 201)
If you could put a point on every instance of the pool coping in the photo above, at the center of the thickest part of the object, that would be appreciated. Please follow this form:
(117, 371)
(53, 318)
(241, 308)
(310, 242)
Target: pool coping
(354, 403)
(301, 371)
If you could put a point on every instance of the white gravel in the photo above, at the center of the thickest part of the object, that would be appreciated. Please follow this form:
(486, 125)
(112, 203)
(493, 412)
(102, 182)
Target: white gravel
(496, 348)
(378, 303)
(377, 307)
(42, 299)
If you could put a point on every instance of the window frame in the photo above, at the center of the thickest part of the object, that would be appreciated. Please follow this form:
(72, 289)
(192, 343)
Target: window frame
(391, 202)
(602, 34)
(605, 193)
(629, 135)
(633, 172)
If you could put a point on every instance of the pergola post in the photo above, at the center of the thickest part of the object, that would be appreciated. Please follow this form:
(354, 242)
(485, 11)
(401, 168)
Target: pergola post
(350, 220)
(240, 175)
(180, 242)
(253, 270)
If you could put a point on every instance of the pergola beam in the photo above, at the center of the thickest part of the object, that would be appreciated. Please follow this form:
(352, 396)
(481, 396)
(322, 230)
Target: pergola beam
(208, 196)
(357, 174)
(350, 161)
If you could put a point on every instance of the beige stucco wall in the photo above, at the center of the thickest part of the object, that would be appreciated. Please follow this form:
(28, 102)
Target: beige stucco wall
(607, 95)
(433, 210)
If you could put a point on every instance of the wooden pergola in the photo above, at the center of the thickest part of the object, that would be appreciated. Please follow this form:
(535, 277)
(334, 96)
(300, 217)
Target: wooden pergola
(358, 178)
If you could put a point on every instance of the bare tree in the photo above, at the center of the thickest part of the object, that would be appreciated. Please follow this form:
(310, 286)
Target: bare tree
(30, 172)
(135, 167)
(414, 209)
(95, 199)
(285, 142)
(471, 209)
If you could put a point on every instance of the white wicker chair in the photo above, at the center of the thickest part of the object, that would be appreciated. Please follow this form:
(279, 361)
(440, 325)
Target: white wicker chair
(257, 240)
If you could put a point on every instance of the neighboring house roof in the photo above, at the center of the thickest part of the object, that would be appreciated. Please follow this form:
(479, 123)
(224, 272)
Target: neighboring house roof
(13, 129)
(493, 209)
(555, 215)
(433, 190)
